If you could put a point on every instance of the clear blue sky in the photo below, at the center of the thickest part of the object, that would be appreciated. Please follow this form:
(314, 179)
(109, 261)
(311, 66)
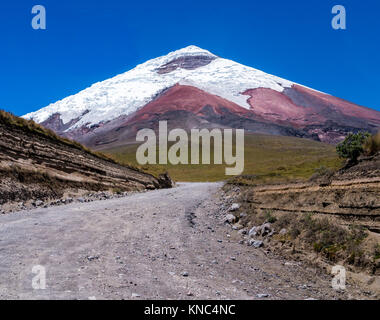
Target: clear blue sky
(89, 41)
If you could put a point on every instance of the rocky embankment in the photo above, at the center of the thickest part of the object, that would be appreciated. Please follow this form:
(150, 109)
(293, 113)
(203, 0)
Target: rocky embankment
(332, 219)
(37, 165)
(351, 195)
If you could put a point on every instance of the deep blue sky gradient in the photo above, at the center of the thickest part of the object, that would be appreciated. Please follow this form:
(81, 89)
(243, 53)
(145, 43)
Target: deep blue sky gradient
(89, 41)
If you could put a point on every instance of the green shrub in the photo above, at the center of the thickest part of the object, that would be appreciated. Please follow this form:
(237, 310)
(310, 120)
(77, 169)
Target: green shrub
(352, 147)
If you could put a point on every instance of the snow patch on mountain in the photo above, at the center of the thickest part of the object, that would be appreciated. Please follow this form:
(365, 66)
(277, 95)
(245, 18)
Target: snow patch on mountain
(129, 91)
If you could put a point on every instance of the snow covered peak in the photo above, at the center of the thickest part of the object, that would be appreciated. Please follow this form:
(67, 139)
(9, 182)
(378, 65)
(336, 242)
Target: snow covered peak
(129, 91)
(190, 50)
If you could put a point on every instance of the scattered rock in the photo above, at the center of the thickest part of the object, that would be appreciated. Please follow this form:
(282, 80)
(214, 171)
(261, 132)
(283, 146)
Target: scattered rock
(255, 243)
(230, 218)
(252, 232)
(38, 203)
(135, 295)
(266, 229)
(234, 207)
(283, 231)
(237, 226)
(237, 281)
(185, 274)
(263, 230)
(262, 295)
(243, 215)
(91, 258)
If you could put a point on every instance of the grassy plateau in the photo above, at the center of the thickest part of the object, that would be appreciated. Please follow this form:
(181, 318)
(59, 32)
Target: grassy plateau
(268, 159)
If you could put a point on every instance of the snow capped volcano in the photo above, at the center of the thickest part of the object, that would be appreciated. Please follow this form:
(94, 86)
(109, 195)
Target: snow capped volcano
(127, 92)
(228, 85)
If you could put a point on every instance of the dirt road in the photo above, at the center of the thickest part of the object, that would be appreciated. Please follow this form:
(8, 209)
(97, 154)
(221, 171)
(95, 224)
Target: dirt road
(163, 244)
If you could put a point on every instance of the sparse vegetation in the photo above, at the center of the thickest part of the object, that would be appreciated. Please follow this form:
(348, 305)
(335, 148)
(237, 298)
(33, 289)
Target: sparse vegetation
(326, 237)
(322, 172)
(376, 251)
(117, 190)
(269, 217)
(372, 144)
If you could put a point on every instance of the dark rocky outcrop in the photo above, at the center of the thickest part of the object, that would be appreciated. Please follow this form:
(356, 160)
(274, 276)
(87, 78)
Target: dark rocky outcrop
(186, 62)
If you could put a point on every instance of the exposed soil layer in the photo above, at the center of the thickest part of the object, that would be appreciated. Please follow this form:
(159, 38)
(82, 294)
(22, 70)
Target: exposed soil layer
(34, 165)
(352, 194)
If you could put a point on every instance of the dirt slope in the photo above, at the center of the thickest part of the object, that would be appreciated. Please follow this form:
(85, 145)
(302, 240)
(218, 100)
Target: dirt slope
(351, 194)
(36, 164)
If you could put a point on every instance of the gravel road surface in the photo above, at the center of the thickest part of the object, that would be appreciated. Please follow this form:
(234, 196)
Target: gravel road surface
(162, 244)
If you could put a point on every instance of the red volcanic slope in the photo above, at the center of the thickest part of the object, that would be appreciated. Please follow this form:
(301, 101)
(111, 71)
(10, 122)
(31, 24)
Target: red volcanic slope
(187, 98)
(338, 104)
(296, 111)
(302, 106)
(185, 107)
(275, 106)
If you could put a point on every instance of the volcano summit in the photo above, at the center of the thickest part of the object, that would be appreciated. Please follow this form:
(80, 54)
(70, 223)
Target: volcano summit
(193, 88)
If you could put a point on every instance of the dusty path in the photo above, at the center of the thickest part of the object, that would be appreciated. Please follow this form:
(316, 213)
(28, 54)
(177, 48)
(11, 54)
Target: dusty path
(163, 244)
